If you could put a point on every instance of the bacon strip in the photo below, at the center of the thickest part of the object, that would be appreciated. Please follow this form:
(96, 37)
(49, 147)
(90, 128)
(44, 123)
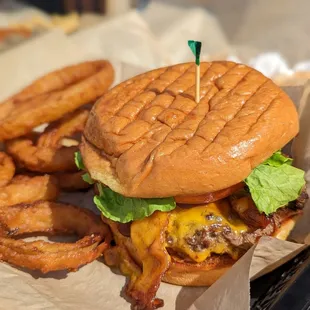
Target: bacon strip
(147, 245)
(148, 238)
(248, 212)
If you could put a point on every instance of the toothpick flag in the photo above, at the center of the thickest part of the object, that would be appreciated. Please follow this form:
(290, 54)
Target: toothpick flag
(195, 46)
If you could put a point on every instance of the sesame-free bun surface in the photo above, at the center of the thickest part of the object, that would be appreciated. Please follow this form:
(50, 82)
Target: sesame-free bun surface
(147, 137)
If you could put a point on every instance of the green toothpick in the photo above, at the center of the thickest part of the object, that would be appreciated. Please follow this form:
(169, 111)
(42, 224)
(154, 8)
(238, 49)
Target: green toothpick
(195, 47)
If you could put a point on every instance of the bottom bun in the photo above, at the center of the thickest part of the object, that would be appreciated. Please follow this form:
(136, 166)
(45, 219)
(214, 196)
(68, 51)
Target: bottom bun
(283, 232)
(206, 273)
(203, 274)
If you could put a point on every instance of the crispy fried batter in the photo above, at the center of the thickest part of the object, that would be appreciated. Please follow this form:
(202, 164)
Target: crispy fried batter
(148, 245)
(48, 154)
(25, 189)
(53, 219)
(21, 188)
(7, 169)
(58, 80)
(53, 96)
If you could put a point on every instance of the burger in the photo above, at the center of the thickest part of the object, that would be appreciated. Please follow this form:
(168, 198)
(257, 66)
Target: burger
(187, 188)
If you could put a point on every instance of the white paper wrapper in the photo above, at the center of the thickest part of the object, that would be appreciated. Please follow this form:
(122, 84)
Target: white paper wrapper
(233, 289)
(126, 38)
(132, 45)
(36, 57)
(187, 23)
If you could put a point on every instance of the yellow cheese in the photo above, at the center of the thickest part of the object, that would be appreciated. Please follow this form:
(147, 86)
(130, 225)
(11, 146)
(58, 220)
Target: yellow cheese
(184, 223)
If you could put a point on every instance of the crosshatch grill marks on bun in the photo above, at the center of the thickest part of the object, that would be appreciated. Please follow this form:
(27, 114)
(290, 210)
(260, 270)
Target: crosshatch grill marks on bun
(185, 148)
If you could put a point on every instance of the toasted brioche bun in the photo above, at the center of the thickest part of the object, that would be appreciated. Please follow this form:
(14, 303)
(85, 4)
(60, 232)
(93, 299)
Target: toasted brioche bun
(147, 137)
(206, 273)
(203, 274)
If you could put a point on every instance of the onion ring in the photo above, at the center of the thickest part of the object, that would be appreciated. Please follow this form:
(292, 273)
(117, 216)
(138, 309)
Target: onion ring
(7, 169)
(53, 219)
(58, 80)
(53, 96)
(25, 189)
(21, 188)
(48, 154)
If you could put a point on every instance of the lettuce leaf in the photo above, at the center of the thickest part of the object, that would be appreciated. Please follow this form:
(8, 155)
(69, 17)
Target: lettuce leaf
(124, 209)
(86, 177)
(275, 183)
(79, 160)
(278, 159)
(79, 163)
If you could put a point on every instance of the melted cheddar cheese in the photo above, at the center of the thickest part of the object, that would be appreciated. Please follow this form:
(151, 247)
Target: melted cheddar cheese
(185, 223)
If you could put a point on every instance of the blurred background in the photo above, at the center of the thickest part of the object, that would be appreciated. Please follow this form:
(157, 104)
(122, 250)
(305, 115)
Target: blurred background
(241, 30)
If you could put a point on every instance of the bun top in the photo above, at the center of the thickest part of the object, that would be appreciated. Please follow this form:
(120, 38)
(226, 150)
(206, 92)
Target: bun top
(147, 137)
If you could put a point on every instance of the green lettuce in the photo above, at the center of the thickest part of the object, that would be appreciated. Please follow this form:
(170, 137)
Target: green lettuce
(79, 163)
(275, 183)
(278, 159)
(124, 209)
(79, 160)
(87, 178)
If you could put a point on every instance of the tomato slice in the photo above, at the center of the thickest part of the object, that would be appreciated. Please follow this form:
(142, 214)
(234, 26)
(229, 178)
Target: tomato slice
(209, 197)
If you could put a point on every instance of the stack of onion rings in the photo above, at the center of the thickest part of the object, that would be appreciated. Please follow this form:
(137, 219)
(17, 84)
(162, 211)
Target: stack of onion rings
(21, 188)
(55, 99)
(53, 150)
(53, 219)
(46, 153)
(25, 189)
(53, 96)
(27, 201)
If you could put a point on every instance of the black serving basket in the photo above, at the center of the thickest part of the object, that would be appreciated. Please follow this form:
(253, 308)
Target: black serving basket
(286, 288)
